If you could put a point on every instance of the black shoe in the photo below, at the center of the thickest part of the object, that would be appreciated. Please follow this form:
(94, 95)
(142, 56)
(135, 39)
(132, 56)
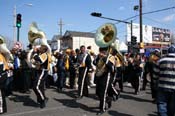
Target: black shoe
(109, 104)
(42, 104)
(115, 97)
(136, 92)
(28, 92)
(78, 97)
(101, 112)
(60, 90)
(22, 91)
(38, 101)
(154, 101)
(109, 101)
(46, 99)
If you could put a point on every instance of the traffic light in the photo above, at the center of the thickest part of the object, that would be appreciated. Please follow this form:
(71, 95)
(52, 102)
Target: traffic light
(96, 14)
(133, 40)
(18, 20)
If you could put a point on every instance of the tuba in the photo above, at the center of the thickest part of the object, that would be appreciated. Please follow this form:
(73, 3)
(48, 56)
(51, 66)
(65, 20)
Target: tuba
(115, 45)
(36, 38)
(4, 50)
(105, 35)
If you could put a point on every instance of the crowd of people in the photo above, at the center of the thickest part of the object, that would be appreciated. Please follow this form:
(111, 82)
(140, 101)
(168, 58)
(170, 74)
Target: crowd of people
(81, 68)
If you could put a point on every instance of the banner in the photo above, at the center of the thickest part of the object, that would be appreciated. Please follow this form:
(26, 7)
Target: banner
(146, 30)
(150, 34)
(161, 35)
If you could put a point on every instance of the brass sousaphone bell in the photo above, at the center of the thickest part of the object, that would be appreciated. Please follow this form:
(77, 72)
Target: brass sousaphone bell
(4, 50)
(105, 35)
(37, 36)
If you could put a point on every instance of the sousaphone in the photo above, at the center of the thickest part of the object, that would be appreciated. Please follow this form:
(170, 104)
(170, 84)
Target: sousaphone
(36, 38)
(4, 50)
(105, 35)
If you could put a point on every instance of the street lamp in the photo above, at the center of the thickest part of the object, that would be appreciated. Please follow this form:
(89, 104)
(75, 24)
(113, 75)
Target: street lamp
(14, 19)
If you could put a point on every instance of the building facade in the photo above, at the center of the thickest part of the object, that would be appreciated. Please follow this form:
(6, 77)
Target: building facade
(74, 39)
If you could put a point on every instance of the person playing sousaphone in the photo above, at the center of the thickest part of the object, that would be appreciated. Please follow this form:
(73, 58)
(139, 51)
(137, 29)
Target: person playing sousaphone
(105, 65)
(5, 57)
(3, 76)
(104, 77)
(41, 59)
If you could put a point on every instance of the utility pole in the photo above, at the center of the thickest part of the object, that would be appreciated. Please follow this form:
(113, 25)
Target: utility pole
(61, 26)
(14, 24)
(140, 15)
(131, 29)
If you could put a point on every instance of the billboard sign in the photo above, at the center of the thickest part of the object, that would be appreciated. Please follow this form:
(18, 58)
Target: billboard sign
(150, 34)
(160, 35)
(146, 30)
(147, 34)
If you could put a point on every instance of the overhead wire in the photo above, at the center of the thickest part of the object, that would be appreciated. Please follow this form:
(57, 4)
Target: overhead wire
(156, 21)
(145, 13)
(154, 11)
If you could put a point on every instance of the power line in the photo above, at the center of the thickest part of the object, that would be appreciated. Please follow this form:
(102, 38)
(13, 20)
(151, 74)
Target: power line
(148, 18)
(155, 11)
(159, 10)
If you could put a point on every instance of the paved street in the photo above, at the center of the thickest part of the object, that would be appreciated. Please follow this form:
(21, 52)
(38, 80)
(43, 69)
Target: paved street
(64, 104)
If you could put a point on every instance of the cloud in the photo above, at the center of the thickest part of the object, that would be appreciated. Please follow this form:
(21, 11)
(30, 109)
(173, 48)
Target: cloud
(169, 18)
(121, 8)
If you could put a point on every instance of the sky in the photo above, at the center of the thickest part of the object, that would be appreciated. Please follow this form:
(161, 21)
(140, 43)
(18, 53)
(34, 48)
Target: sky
(75, 15)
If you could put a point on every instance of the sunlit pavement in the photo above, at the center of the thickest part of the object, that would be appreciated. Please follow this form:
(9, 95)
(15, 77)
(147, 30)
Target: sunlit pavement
(65, 104)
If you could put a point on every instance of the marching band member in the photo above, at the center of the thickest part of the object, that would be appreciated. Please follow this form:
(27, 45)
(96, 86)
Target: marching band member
(3, 76)
(42, 64)
(60, 72)
(73, 66)
(5, 57)
(104, 78)
(84, 61)
(119, 74)
(66, 60)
